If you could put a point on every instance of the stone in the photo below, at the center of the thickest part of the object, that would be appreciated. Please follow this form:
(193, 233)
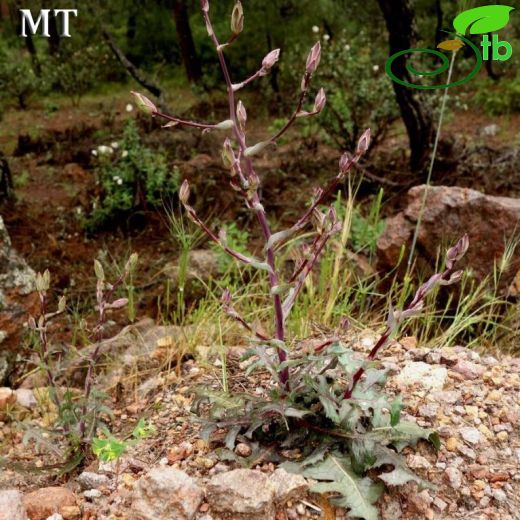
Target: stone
(288, 486)
(243, 450)
(449, 213)
(471, 435)
(7, 398)
(92, 494)
(499, 495)
(25, 397)
(166, 492)
(429, 411)
(454, 477)
(502, 436)
(244, 492)
(70, 512)
(44, 502)
(452, 444)
(17, 299)
(91, 480)
(440, 504)
(203, 264)
(11, 505)
(468, 369)
(418, 462)
(427, 376)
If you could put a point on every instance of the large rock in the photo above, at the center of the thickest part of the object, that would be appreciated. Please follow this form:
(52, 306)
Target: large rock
(449, 213)
(429, 377)
(17, 300)
(11, 505)
(243, 493)
(166, 493)
(44, 502)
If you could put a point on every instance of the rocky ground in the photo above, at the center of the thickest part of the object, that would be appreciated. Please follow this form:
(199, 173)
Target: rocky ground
(471, 399)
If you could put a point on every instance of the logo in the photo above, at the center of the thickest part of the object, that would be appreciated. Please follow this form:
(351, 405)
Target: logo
(43, 19)
(480, 20)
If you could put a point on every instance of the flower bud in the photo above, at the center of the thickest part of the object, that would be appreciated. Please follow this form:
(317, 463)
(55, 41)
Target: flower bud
(184, 192)
(117, 304)
(144, 103)
(222, 237)
(132, 262)
(363, 143)
(269, 61)
(225, 125)
(204, 5)
(98, 269)
(319, 103)
(62, 303)
(345, 163)
(313, 60)
(237, 18)
(228, 157)
(242, 116)
(226, 297)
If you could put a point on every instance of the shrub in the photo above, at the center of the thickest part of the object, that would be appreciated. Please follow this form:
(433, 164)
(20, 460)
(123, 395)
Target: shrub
(326, 401)
(360, 94)
(18, 81)
(132, 177)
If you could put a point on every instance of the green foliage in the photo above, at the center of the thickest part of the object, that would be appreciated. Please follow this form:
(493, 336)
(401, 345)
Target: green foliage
(109, 448)
(498, 99)
(359, 93)
(77, 68)
(340, 439)
(132, 177)
(237, 239)
(18, 81)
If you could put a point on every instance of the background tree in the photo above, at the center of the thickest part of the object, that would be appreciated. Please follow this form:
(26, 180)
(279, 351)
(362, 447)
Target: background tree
(416, 114)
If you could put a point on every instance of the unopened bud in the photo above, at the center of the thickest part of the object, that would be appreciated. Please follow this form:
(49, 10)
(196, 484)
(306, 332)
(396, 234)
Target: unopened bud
(204, 5)
(226, 297)
(363, 143)
(225, 125)
(269, 61)
(132, 262)
(184, 192)
(319, 103)
(98, 269)
(345, 163)
(313, 60)
(242, 116)
(228, 157)
(222, 237)
(62, 303)
(144, 103)
(237, 18)
(117, 304)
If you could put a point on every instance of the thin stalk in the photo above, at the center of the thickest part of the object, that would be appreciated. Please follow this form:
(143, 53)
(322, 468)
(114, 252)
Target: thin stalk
(430, 169)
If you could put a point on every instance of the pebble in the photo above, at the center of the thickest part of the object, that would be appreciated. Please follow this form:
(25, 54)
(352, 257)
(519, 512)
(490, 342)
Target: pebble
(454, 477)
(92, 494)
(499, 495)
(502, 436)
(243, 450)
(452, 444)
(471, 435)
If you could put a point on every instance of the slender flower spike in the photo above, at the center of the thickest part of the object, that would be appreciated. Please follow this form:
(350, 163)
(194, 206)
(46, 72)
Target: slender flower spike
(363, 143)
(205, 6)
(269, 61)
(237, 18)
(184, 192)
(242, 116)
(313, 60)
(321, 99)
(144, 103)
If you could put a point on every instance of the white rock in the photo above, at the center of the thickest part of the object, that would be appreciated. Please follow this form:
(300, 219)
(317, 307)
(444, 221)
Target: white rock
(25, 397)
(242, 491)
(11, 505)
(91, 480)
(288, 486)
(166, 493)
(471, 435)
(430, 377)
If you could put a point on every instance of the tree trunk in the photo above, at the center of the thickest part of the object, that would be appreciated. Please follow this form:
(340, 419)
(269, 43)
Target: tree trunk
(54, 36)
(189, 54)
(6, 180)
(416, 114)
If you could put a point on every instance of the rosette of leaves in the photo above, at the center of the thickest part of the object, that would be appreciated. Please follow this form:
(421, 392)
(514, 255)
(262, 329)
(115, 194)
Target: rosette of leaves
(338, 440)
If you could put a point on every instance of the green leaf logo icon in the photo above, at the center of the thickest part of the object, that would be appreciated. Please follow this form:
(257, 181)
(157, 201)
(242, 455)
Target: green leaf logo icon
(482, 20)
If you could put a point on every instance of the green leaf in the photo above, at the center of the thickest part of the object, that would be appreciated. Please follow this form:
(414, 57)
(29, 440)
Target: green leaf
(408, 433)
(481, 20)
(395, 410)
(357, 494)
(401, 474)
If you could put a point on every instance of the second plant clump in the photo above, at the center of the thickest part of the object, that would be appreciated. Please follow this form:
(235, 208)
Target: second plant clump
(327, 403)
